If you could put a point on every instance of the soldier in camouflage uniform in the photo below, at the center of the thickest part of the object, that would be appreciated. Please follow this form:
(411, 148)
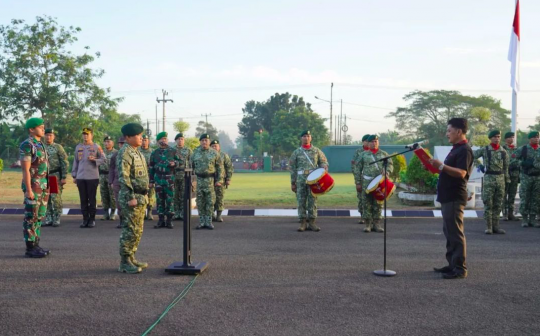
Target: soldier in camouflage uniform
(514, 168)
(208, 168)
(35, 171)
(133, 178)
(184, 153)
(368, 171)
(163, 163)
(146, 152)
(530, 179)
(58, 166)
(107, 194)
(495, 167)
(228, 170)
(302, 162)
(358, 177)
(113, 179)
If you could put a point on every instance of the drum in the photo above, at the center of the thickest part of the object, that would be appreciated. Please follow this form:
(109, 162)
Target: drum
(320, 182)
(376, 188)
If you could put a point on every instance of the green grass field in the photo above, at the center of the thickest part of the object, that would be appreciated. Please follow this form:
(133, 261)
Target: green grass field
(262, 190)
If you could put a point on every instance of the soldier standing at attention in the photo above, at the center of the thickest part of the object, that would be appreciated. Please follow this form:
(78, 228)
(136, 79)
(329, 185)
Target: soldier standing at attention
(513, 170)
(113, 179)
(85, 173)
(228, 170)
(530, 180)
(184, 154)
(496, 176)
(302, 162)
(146, 152)
(133, 178)
(208, 168)
(358, 177)
(35, 171)
(368, 171)
(107, 194)
(163, 163)
(58, 166)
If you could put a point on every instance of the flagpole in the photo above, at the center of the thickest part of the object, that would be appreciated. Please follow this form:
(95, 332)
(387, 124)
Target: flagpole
(514, 111)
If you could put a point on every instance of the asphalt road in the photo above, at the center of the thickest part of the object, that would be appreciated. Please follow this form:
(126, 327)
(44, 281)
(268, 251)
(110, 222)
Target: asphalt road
(265, 278)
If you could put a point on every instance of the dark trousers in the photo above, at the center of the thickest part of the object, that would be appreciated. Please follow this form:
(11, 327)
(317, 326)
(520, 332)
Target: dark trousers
(456, 245)
(87, 195)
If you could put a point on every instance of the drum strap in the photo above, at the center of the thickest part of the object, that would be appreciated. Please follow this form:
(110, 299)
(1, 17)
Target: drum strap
(307, 157)
(376, 164)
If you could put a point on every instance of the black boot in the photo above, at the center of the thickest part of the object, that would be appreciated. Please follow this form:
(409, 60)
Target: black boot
(85, 220)
(160, 223)
(119, 226)
(91, 221)
(36, 245)
(33, 252)
(169, 222)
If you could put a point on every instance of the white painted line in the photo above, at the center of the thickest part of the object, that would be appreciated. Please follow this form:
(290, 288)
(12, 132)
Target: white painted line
(437, 213)
(470, 214)
(355, 213)
(65, 211)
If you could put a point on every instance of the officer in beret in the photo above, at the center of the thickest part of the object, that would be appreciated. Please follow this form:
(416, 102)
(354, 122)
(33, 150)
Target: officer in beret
(302, 162)
(146, 152)
(35, 171)
(208, 168)
(88, 156)
(163, 163)
(495, 167)
(58, 166)
(184, 153)
(367, 172)
(514, 169)
(113, 179)
(107, 193)
(358, 176)
(530, 180)
(133, 197)
(228, 171)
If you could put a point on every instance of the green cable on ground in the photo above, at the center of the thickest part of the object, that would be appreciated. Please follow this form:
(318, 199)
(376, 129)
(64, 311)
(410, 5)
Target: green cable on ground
(171, 305)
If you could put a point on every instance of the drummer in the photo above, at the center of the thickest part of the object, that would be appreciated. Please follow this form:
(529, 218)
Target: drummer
(302, 162)
(368, 171)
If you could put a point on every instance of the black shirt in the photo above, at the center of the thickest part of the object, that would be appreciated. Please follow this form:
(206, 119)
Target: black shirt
(454, 189)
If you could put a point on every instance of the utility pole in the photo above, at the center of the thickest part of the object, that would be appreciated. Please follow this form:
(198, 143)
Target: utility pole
(331, 91)
(341, 124)
(165, 93)
(206, 116)
(157, 124)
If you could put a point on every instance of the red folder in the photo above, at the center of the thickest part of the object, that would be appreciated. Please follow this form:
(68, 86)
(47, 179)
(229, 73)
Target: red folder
(53, 184)
(424, 158)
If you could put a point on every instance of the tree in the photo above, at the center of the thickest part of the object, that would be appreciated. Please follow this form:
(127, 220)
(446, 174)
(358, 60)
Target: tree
(225, 142)
(478, 134)
(392, 138)
(39, 75)
(208, 128)
(181, 126)
(192, 143)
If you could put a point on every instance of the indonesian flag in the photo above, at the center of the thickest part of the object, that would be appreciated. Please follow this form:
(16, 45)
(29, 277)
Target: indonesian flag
(513, 52)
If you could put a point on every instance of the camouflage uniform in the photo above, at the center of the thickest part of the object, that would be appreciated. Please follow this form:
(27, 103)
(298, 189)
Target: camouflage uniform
(58, 166)
(133, 179)
(496, 176)
(367, 172)
(301, 167)
(358, 179)
(511, 188)
(105, 190)
(185, 155)
(162, 176)
(228, 170)
(152, 191)
(208, 168)
(529, 188)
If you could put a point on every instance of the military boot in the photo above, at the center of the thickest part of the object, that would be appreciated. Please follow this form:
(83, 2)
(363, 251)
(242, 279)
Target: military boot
(33, 252)
(126, 266)
(137, 263)
(511, 216)
(56, 220)
(36, 245)
(312, 226)
(112, 216)
(377, 226)
(160, 223)
(303, 225)
(119, 226)
(106, 216)
(202, 223)
(209, 224)
(219, 219)
(525, 220)
(213, 217)
(149, 215)
(368, 227)
(169, 223)
(531, 220)
(489, 226)
(361, 221)
(496, 227)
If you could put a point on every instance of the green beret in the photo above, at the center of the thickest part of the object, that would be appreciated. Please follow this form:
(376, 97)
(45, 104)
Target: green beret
(179, 135)
(161, 135)
(214, 142)
(509, 135)
(204, 136)
(87, 130)
(494, 133)
(145, 136)
(365, 137)
(533, 134)
(132, 129)
(306, 132)
(373, 137)
(107, 138)
(49, 130)
(33, 123)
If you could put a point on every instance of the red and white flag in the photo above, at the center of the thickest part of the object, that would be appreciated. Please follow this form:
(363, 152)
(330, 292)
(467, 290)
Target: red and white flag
(513, 52)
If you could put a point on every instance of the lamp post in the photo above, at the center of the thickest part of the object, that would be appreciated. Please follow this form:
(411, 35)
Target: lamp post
(329, 101)
(260, 136)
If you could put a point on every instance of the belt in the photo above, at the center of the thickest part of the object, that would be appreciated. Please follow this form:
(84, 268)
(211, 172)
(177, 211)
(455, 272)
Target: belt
(493, 173)
(54, 171)
(204, 175)
(514, 168)
(101, 172)
(533, 174)
(141, 192)
(164, 174)
(304, 172)
(368, 177)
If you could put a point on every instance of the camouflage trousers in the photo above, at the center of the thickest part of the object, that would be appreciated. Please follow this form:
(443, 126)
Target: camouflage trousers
(116, 191)
(179, 190)
(55, 206)
(529, 189)
(510, 195)
(372, 209)
(493, 196)
(132, 229)
(151, 197)
(307, 203)
(164, 186)
(206, 196)
(106, 192)
(361, 199)
(220, 195)
(34, 211)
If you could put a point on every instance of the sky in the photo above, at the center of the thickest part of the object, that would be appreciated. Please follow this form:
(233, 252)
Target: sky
(213, 56)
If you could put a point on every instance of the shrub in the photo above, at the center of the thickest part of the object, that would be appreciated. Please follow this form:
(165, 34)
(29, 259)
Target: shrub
(417, 177)
(1, 165)
(400, 165)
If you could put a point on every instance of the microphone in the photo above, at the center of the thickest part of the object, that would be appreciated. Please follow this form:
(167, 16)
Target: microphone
(417, 144)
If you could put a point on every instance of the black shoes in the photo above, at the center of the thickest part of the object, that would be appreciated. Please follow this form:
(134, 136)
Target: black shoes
(445, 269)
(454, 275)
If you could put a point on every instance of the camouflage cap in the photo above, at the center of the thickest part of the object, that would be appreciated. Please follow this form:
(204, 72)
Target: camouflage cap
(214, 142)
(204, 136)
(494, 133)
(179, 135)
(132, 129)
(33, 123)
(509, 135)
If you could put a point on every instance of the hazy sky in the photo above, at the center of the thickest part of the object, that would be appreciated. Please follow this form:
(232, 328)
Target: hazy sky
(213, 56)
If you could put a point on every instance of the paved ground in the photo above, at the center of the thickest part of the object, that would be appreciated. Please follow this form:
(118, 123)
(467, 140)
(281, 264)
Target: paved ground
(265, 278)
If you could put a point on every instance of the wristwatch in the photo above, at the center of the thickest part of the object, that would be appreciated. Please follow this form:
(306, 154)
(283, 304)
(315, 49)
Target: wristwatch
(441, 167)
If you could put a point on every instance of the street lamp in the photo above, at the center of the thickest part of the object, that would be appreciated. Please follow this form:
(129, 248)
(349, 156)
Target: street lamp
(330, 101)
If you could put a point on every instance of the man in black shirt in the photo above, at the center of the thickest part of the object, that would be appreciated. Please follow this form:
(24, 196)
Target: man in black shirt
(452, 194)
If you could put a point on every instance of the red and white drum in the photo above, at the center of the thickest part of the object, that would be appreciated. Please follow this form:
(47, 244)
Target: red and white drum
(376, 188)
(320, 181)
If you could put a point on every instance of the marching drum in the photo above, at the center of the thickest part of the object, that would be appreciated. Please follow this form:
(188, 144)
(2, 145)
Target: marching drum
(320, 182)
(376, 188)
